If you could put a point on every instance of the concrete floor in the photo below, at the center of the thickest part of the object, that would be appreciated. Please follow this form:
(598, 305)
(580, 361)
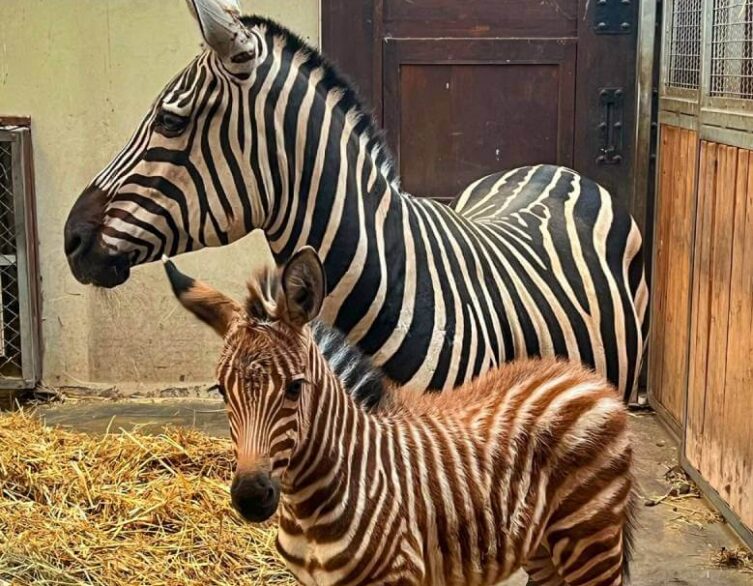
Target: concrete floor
(675, 540)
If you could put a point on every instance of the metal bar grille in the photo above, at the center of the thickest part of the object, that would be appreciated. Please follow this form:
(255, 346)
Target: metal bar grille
(732, 49)
(10, 323)
(685, 45)
(20, 364)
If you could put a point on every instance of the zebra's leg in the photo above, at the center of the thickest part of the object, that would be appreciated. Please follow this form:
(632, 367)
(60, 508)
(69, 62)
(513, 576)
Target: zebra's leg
(541, 570)
(591, 560)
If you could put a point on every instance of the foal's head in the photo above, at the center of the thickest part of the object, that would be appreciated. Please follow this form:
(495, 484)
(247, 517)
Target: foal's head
(264, 371)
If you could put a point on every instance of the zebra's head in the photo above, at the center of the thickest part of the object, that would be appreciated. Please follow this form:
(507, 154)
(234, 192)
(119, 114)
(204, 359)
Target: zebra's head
(174, 186)
(265, 371)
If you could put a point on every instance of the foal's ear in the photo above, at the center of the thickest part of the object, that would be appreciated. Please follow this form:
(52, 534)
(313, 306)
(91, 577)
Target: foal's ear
(222, 29)
(304, 286)
(209, 305)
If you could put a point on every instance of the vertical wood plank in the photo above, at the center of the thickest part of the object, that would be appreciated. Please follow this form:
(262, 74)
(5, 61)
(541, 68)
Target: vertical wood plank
(734, 429)
(698, 359)
(671, 275)
(678, 275)
(666, 195)
(721, 259)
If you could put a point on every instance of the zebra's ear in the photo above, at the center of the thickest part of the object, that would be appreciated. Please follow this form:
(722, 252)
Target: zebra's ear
(209, 305)
(304, 286)
(222, 29)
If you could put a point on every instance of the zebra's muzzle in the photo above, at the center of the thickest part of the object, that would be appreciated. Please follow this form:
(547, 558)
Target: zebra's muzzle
(90, 261)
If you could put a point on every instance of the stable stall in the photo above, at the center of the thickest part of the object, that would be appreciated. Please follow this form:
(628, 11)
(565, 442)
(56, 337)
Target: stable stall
(701, 353)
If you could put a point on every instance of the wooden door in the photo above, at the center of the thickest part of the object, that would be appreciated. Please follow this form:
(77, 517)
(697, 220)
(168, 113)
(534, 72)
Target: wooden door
(718, 433)
(468, 88)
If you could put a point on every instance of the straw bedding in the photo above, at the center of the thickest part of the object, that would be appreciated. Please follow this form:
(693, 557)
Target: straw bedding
(126, 508)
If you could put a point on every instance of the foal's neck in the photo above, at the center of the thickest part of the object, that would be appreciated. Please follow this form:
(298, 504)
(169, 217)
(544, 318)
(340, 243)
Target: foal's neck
(334, 450)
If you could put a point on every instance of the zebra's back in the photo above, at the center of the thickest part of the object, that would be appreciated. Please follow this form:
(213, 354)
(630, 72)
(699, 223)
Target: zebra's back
(562, 261)
(532, 467)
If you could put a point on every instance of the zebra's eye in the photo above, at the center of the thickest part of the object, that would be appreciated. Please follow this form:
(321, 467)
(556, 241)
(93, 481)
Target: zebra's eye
(170, 124)
(293, 391)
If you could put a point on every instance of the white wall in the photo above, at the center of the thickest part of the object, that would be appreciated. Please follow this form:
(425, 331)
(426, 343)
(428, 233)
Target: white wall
(86, 71)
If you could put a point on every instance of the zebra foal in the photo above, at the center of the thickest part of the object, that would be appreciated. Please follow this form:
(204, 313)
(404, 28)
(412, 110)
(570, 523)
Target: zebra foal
(527, 466)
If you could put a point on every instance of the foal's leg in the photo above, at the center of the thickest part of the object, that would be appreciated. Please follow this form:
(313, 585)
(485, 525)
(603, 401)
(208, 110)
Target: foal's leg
(541, 571)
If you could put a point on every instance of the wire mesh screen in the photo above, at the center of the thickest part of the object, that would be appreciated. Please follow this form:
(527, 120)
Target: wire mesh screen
(10, 323)
(732, 49)
(685, 45)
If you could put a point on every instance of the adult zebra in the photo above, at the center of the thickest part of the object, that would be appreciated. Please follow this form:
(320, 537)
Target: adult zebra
(260, 132)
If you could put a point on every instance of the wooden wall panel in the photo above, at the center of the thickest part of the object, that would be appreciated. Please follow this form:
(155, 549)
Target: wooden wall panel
(668, 347)
(443, 142)
(718, 433)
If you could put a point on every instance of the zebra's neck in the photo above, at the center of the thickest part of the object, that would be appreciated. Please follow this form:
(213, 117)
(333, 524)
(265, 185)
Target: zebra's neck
(326, 176)
(355, 371)
(327, 181)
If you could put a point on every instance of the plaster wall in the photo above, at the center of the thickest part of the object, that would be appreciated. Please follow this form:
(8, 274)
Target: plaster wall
(86, 71)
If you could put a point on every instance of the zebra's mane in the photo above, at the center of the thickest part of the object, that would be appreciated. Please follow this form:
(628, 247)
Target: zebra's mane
(334, 80)
(364, 381)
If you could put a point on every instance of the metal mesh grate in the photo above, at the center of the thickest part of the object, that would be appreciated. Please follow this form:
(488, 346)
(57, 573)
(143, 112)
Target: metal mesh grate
(10, 323)
(732, 49)
(685, 45)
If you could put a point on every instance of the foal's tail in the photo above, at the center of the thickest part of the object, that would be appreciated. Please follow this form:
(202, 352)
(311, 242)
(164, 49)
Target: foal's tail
(628, 535)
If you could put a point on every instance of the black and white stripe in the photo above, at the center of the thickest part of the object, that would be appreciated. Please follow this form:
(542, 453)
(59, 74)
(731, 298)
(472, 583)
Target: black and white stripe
(533, 261)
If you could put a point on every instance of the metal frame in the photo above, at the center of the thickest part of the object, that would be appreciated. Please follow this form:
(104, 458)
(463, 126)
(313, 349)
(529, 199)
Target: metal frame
(19, 138)
(720, 119)
(730, 26)
(686, 94)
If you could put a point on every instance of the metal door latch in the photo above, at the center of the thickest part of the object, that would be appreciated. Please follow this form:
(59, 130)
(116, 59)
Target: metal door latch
(610, 126)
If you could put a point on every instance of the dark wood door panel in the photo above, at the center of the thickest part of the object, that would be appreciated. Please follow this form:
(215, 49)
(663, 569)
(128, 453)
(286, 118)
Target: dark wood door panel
(605, 61)
(480, 18)
(457, 110)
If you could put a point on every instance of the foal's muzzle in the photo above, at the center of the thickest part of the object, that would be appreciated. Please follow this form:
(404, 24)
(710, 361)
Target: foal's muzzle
(255, 495)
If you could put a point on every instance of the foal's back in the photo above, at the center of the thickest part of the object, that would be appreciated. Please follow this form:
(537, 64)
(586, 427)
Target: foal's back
(540, 452)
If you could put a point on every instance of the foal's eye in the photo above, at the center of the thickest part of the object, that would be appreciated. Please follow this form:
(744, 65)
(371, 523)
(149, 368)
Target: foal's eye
(293, 391)
(170, 124)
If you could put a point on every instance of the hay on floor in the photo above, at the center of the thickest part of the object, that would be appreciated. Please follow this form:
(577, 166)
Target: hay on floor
(126, 508)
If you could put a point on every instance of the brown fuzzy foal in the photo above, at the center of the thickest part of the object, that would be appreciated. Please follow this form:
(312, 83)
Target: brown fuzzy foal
(528, 466)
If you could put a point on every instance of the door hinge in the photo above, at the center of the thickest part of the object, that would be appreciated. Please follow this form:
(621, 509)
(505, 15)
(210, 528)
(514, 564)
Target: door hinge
(613, 17)
(610, 126)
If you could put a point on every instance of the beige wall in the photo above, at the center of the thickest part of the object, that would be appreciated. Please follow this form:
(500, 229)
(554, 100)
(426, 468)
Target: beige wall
(86, 71)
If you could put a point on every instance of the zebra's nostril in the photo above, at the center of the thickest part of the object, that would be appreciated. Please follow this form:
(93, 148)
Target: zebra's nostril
(78, 241)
